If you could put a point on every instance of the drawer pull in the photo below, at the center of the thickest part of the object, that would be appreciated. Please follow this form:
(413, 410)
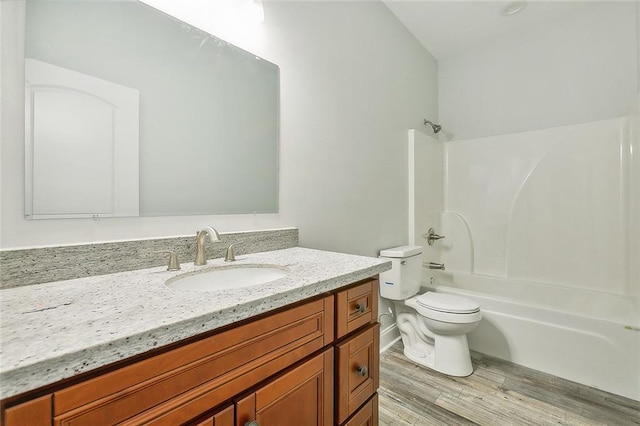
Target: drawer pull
(252, 423)
(362, 370)
(361, 307)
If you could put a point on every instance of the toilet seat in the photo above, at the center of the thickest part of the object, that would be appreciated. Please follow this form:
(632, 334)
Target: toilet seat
(445, 308)
(447, 303)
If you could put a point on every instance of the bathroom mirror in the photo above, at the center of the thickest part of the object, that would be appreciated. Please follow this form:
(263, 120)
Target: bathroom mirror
(132, 112)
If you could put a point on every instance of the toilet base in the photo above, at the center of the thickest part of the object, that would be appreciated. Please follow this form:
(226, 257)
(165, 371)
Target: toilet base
(424, 355)
(448, 354)
(455, 360)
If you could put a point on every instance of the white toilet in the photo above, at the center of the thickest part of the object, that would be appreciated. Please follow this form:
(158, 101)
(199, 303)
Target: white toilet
(433, 325)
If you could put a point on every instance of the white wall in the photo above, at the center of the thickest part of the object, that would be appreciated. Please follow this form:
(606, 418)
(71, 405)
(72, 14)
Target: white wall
(575, 70)
(353, 80)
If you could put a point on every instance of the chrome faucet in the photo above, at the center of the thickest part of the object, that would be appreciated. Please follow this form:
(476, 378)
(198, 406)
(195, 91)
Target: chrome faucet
(200, 237)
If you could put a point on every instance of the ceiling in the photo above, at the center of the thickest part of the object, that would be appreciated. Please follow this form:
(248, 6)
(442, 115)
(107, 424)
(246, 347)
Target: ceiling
(446, 27)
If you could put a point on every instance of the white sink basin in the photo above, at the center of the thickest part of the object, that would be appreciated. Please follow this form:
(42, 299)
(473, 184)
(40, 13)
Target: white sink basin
(227, 277)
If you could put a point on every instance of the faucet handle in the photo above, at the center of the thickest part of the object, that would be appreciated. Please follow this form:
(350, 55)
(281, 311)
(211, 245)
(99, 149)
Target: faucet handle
(230, 256)
(174, 262)
(431, 236)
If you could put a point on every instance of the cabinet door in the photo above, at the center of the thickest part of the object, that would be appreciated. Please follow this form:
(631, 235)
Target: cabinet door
(302, 396)
(33, 413)
(357, 370)
(223, 417)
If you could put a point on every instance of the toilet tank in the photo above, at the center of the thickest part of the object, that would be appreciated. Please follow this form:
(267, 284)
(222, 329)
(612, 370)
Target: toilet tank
(403, 280)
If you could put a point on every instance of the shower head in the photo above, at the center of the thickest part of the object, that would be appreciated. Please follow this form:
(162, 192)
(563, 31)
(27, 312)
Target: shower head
(436, 127)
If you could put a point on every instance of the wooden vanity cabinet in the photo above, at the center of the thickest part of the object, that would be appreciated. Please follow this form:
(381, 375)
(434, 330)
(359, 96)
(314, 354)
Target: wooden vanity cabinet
(302, 396)
(300, 365)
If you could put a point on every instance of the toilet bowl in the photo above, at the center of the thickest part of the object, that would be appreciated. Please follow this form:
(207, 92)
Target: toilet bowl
(433, 326)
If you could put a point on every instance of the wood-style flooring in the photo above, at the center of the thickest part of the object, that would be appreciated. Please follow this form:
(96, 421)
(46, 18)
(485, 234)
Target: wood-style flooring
(497, 393)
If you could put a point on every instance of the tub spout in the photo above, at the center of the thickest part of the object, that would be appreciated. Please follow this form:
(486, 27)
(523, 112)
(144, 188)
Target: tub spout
(433, 265)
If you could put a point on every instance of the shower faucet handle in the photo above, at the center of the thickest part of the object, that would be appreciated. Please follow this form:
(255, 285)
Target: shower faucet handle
(431, 236)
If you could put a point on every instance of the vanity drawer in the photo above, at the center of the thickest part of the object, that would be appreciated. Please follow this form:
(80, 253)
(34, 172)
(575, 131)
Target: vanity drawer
(178, 385)
(357, 365)
(367, 415)
(356, 307)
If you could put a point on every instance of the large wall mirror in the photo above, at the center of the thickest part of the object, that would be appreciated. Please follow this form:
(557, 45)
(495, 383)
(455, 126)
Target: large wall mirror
(131, 112)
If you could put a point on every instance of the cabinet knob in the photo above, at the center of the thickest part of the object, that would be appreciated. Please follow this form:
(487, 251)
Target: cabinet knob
(361, 307)
(362, 370)
(252, 423)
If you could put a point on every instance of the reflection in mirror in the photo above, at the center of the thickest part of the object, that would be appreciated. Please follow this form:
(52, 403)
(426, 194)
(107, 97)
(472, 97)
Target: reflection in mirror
(130, 111)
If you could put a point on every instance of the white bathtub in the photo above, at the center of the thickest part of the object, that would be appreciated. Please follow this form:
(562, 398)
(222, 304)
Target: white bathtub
(589, 337)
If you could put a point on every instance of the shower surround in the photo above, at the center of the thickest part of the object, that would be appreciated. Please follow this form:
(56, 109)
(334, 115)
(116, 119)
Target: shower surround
(557, 210)
(558, 205)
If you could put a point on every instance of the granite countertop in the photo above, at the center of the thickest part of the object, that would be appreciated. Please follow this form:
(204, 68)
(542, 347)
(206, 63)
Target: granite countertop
(56, 330)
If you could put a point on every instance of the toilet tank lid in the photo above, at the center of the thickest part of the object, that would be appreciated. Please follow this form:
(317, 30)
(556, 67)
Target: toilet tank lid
(402, 251)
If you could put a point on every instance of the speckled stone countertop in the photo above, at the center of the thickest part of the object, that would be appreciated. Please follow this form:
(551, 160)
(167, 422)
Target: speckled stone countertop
(56, 330)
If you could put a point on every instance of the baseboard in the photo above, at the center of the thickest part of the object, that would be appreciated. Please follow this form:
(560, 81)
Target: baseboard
(388, 337)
